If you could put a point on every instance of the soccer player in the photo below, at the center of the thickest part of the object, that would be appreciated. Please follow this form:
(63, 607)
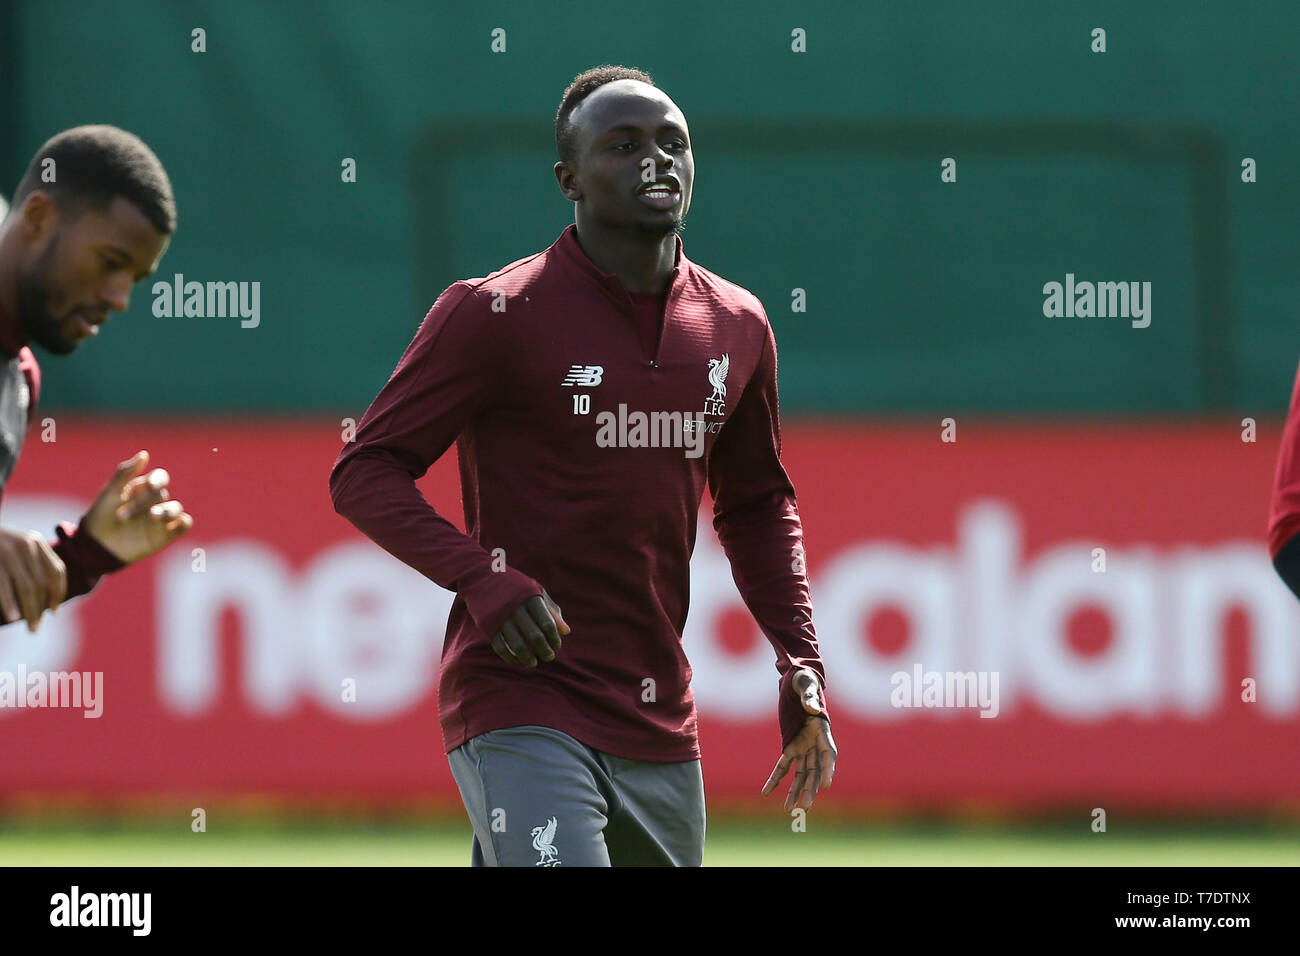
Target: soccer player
(592, 390)
(92, 215)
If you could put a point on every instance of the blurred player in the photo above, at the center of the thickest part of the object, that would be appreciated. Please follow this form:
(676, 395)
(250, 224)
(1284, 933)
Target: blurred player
(584, 751)
(1284, 509)
(92, 216)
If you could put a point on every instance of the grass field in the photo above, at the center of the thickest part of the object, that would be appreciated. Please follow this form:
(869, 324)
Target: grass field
(729, 843)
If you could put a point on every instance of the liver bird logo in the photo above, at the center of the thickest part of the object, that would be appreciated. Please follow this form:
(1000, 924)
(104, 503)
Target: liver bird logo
(544, 843)
(718, 377)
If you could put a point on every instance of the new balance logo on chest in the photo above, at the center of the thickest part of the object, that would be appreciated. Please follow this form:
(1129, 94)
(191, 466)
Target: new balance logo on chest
(584, 376)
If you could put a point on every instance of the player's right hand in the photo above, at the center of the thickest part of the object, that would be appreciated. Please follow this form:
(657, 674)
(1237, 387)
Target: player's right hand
(531, 632)
(32, 577)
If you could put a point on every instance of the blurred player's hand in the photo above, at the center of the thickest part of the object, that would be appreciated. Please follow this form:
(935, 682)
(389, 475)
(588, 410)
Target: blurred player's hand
(532, 631)
(32, 577)
(133, 516)
(812, 752)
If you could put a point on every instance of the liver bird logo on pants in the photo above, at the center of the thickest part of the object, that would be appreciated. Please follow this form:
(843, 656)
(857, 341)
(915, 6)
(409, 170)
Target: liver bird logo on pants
(544, 843)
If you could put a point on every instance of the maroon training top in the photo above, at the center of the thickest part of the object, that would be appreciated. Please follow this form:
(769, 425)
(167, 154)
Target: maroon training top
(1284, 506)
(524, 370)
(84, 558)
(649, 316)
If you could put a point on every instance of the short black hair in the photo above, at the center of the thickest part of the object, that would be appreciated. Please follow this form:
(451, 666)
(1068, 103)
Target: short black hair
(582, 86)
(93, 165)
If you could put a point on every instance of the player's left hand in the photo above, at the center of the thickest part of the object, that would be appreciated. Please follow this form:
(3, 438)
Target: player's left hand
(812, 752)
(134, 515)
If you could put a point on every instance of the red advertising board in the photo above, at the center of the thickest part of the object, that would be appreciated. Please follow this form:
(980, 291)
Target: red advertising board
(1108, 584)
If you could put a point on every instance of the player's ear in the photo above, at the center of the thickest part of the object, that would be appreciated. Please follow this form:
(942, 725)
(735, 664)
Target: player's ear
(566, 176)
(38, 216)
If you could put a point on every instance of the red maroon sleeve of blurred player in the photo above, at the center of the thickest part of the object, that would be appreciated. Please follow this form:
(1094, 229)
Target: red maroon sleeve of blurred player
(85, 559)
(1284, 508)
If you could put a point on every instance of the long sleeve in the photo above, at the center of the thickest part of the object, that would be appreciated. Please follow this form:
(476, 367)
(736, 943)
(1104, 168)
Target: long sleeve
(85, 559)
(757, 521)
(1284, 506)
(1287, 564)
(445, 377)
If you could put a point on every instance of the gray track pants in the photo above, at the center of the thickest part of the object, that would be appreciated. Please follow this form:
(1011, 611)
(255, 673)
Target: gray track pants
(537, 797)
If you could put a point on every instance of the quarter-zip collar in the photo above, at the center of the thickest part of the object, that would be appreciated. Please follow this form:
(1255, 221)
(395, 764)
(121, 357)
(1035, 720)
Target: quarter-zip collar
(568, 246)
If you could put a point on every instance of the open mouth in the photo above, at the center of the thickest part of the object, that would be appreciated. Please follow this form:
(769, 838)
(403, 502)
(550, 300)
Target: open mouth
(660, 195)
